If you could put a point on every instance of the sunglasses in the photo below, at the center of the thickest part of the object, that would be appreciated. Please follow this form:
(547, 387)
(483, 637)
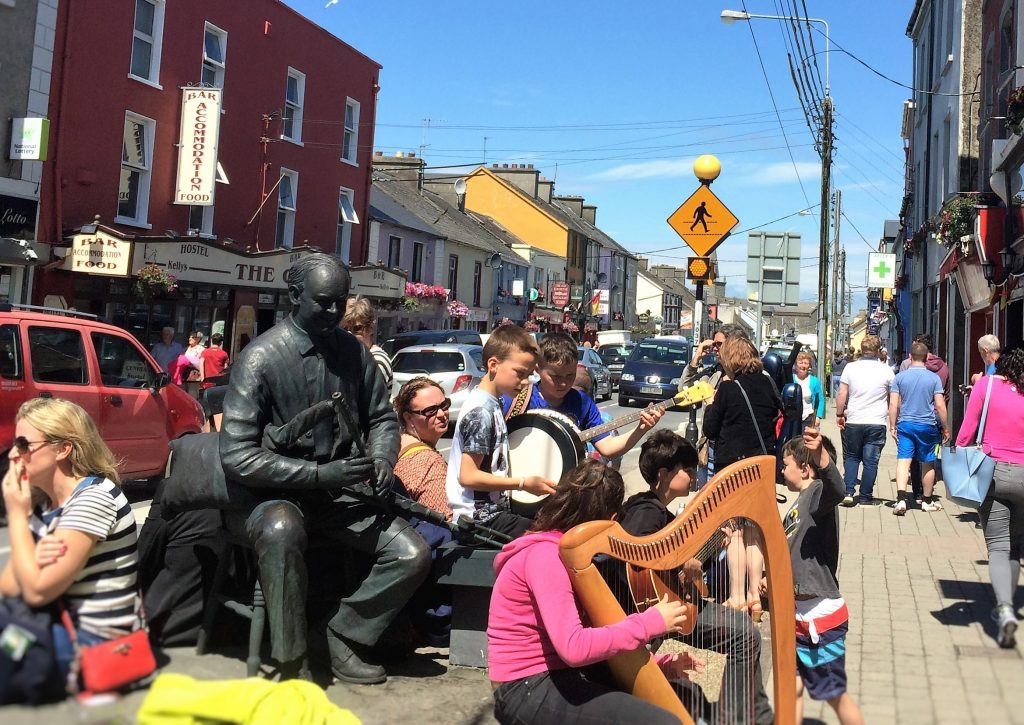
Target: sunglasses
(434, 409)
(23, 445)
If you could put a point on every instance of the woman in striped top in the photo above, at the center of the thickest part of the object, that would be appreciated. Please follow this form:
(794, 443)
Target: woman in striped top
(79, 545)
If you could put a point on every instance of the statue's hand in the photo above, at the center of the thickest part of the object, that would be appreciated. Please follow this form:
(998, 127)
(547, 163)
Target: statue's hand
(384, 477)
(339, 474)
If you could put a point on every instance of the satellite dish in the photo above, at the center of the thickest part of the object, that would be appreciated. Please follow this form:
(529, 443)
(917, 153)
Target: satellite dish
(495, 260)
(460, 187)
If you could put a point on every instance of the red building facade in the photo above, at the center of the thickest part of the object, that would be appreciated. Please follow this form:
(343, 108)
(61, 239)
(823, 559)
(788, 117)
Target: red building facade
(296, 135)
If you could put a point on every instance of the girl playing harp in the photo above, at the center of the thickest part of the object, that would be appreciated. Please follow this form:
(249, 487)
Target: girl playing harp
(539, 651)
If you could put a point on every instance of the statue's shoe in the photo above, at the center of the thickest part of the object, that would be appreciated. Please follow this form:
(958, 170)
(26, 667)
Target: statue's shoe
(345, 664)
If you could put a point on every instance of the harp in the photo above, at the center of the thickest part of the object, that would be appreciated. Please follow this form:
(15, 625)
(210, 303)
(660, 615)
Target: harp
(745, 489)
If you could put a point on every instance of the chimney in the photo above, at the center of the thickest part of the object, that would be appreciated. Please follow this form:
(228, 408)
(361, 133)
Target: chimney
(574, 203)
(403, 167)
(641, 263)
(519, 176)
(545, 188)
(590, 213)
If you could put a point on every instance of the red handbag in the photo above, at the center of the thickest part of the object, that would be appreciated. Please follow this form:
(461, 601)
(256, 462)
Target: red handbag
(110, 665)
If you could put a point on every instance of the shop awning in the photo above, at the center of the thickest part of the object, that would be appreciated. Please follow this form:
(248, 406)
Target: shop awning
(18, 253)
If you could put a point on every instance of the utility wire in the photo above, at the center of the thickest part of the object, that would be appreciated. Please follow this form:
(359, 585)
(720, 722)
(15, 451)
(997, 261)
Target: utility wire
(771, 94)
(850, 221)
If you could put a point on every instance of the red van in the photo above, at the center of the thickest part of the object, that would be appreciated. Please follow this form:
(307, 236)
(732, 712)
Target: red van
(56, 353)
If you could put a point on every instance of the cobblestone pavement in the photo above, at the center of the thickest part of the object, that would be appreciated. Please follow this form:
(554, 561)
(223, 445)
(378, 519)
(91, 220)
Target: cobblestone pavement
(920, 648)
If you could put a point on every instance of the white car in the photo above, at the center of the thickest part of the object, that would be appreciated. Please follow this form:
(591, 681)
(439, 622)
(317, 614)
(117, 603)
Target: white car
(456, 368)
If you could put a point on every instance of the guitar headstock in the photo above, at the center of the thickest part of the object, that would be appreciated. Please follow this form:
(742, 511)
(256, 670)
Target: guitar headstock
(693, 394)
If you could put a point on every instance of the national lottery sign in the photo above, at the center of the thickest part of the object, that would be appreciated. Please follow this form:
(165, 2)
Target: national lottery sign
(197, 148)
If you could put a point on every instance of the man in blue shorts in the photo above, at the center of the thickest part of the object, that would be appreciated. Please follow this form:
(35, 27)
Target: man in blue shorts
(916, 401)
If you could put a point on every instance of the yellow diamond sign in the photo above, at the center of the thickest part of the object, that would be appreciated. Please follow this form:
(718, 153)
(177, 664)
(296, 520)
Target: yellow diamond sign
(703, 221)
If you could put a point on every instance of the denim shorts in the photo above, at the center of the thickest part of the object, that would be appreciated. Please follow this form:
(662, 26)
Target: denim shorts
(917, 440)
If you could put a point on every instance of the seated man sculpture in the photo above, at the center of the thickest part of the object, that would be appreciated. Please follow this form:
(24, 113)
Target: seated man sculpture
(305, 489)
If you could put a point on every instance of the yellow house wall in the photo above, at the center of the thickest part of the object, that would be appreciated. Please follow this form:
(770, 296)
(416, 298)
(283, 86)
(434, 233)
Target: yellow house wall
(487, 195)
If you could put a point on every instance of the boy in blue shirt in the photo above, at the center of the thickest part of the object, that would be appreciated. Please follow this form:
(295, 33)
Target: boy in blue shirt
(916, 402)
(557, 370)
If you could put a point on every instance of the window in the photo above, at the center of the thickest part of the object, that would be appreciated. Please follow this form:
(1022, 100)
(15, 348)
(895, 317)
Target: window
(10, 353)
(478, 272)
(57, 356)
(200, 221)
(346, 218)
(453, 275)
(286, 195)
(147, 38)
(295, 90)
(350, 141)
(121, 363)
(394, 252)
(417, 261)
(136, 163)
(215, 49)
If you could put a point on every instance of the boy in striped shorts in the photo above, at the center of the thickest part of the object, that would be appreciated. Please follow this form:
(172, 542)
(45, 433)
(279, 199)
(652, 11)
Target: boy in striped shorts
(812, 529)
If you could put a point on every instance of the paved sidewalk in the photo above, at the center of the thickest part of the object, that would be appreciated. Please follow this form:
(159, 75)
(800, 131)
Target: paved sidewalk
(921, 647)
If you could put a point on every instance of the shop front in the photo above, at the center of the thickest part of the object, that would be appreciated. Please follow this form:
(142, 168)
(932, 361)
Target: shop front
(144, 284)
(401, 306)
(18, 253)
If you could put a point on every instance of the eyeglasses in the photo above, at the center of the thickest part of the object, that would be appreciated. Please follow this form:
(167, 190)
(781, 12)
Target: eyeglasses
(23, 445)
(434, 409)
(716, 344)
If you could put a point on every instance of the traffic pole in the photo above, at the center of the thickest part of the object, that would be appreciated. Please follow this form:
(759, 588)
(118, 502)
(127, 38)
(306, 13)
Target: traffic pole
(698, 316)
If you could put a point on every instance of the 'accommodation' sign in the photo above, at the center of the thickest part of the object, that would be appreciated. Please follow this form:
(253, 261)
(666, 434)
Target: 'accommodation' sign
(197, 150)
(100, 253)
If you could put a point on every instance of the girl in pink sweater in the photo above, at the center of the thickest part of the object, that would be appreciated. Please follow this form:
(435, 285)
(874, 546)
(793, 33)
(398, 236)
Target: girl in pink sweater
(537, 644)
(1002, 511)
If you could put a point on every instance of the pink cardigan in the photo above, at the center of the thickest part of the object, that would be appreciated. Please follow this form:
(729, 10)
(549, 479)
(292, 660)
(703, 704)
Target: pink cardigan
(534, 623)
(1004, 426)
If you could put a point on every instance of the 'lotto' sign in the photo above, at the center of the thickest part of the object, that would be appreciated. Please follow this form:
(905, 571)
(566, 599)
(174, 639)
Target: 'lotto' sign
(197, 150)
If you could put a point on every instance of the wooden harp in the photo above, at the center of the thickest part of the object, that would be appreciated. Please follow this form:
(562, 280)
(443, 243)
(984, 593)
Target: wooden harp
(745, 489)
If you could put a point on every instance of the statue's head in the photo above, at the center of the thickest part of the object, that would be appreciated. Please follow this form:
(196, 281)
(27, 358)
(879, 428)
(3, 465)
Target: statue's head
(318, 287)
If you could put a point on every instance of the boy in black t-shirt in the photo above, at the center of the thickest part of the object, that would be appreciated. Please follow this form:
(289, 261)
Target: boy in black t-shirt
(669, 465)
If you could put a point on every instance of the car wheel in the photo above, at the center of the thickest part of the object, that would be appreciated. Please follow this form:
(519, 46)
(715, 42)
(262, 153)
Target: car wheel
(623, 401)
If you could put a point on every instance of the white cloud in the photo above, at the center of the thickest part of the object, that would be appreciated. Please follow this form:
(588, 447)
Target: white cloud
(662, 168)
(780, 172)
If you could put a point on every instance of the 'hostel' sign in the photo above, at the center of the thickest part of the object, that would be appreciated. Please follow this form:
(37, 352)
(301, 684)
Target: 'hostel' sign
(197, 149)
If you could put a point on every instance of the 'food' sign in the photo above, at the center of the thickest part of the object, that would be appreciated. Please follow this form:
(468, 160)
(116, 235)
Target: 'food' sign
(197, 149)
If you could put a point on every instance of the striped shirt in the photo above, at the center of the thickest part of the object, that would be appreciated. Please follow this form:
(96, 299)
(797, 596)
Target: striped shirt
(383, 364)
(103, 598)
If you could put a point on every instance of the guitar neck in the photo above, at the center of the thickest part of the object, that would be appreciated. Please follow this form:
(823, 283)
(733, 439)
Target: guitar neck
(590, 433)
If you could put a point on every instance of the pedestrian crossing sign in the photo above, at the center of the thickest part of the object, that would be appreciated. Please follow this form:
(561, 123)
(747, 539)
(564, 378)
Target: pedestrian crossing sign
(703, 221)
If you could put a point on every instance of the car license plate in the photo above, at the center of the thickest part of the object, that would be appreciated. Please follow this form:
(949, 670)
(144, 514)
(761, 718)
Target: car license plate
(650, 390)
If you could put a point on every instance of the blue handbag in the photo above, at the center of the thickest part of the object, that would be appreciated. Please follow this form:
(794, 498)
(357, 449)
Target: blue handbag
(967, 470)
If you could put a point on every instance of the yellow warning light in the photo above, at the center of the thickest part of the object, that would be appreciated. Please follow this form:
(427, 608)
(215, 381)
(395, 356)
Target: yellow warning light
(699, 269)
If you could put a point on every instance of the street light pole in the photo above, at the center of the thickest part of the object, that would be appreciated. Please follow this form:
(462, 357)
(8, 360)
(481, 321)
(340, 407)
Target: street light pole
(731, 16)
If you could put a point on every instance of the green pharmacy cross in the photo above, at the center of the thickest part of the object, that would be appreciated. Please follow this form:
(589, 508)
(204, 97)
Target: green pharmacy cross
(881, 269)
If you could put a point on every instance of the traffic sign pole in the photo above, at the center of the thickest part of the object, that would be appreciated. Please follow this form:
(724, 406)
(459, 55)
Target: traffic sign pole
(698, 326)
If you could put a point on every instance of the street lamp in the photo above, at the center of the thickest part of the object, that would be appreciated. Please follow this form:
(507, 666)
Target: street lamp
(731, 16)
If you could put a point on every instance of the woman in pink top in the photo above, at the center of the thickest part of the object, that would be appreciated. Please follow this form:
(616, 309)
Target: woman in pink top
(1002, 512)
(537, 646)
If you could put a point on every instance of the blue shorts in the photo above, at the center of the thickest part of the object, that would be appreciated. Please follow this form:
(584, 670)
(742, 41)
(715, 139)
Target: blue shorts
(822, 666)
(917, 440)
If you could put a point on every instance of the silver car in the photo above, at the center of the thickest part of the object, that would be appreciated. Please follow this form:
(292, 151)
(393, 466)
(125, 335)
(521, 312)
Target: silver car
(456, 368)
(599, 373)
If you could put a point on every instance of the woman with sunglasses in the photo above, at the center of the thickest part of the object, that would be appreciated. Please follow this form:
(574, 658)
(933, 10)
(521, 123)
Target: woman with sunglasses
(361, 321)
(423, 417)
(79, 545)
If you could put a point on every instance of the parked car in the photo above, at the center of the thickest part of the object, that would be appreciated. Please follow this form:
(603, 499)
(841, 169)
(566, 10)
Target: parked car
(601, 389)
(654, 370)
(430, 337)
(48, 353)
(456, 368)
(615, 356)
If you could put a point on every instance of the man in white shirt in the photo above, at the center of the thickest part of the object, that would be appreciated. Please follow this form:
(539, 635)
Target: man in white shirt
(862, 410)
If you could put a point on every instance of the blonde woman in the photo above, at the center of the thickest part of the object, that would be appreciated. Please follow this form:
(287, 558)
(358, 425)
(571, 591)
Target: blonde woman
(810, 388)
(361, 321)
(79, 545)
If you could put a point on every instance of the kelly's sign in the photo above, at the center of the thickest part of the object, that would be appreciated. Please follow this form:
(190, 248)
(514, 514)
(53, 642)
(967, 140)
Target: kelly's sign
(197, 149)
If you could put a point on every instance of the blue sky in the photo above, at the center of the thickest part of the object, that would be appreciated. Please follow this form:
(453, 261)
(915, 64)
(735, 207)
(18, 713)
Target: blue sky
(623, 97)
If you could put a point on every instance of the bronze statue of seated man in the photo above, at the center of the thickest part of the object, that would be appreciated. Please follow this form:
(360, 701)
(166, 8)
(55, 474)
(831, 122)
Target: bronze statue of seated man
(309, 486)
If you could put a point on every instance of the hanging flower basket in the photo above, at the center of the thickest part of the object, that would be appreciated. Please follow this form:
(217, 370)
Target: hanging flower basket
(152, 280)
(457, 309)
(421, 291)
(411, 304)
(1015, 110)
(532, 326)
(956, 220)
(570, 326)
